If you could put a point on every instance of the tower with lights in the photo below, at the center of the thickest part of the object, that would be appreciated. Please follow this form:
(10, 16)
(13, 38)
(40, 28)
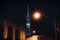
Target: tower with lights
(28, 22)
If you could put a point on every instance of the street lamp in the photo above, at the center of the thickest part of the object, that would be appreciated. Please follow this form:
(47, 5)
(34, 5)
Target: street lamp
(37, 15)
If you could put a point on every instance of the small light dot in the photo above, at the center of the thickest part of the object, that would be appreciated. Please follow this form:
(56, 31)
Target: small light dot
(34, 31)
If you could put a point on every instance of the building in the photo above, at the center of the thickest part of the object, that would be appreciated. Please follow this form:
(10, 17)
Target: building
(11, 31)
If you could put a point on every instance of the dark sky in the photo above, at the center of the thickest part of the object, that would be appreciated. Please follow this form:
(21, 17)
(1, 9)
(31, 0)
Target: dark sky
(15, 11)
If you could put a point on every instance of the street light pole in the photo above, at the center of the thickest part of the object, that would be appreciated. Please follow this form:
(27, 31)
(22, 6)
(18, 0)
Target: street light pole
(54, 25)
(36, 17)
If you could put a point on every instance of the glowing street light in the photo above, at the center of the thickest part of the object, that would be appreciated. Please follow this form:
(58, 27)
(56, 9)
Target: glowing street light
(37, 15)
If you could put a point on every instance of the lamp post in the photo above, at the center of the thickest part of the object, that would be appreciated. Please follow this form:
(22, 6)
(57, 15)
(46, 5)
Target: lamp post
(37, 16)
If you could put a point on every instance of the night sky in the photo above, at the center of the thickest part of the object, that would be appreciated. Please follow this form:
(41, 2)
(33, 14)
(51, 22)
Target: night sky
(15, 11)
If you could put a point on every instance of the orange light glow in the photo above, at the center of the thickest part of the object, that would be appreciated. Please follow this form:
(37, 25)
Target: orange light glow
(5, 30)
(37, 15)
(22, 35)
(34, 37)
(13, 33)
